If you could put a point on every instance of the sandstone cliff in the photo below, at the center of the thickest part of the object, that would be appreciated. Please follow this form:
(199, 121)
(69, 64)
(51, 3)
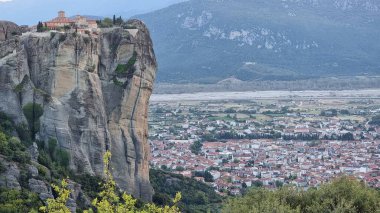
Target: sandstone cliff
(94, 90)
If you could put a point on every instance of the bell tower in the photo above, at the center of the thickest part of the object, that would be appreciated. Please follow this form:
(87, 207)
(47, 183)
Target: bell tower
(61, 14)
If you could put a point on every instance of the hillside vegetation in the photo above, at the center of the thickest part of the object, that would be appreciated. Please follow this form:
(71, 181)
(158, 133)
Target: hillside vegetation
(196, 196)
(341, 195)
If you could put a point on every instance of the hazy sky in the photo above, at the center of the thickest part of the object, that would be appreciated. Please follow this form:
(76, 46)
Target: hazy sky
(32, 11)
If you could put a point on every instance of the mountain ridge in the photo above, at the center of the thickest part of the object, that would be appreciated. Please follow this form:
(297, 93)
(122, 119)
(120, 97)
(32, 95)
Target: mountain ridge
(208, 41)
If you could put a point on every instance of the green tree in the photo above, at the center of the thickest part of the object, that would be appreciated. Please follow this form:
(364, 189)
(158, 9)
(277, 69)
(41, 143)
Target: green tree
(208, 177)
(14, 201)
(196, 147)
(63, 158)
(58, 205)
(279, 183)
(3, 143)
(180, 168)
(52, 146)
(40, 27)
(105, 23)
(201, 198)
(108, 200)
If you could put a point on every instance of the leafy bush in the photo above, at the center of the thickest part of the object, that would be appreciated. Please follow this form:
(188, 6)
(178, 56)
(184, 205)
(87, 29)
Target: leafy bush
(90, 184)
(52, 146)
(42, 171)
(208, 177)
(60, 156)
(6, 124)
(58, 204)
(132, 60)
(13, 149)
(24, 133)
(4, 149)
(18, 88)
(33, 112)
(14, 201)
(21, 156)
(341, 195)
(58, 171)
(196, 147)
(44, 159)
(15, 144)
(55, 159)
(127, 70)
(24, 178)
(109, 199)
(161, 199)
(121, 68)
(166, 184)
(63, 158)
(105, 23)
(117, 82)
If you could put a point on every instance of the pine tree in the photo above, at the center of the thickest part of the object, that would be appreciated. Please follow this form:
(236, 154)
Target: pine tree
(40, 27)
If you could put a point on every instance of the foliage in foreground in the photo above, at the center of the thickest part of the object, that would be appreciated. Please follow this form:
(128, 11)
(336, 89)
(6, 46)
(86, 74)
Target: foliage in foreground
(341, 195)
(12, 200)
(108, 201)
(197, 196)
(58, 204)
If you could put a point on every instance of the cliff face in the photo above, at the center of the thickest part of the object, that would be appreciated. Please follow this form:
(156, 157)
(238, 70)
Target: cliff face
(94, 90)
(8, 30)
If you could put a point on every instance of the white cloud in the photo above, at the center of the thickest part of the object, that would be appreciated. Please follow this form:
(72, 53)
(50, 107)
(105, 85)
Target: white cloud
(5, 0)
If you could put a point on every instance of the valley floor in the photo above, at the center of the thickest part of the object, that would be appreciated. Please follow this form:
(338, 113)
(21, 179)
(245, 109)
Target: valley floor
(259, 95)
(235, 140)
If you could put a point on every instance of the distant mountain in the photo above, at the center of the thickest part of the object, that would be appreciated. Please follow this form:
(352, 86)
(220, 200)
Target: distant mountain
(211, 40)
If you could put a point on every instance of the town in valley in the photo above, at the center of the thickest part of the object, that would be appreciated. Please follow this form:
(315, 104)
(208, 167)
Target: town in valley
(267, 142)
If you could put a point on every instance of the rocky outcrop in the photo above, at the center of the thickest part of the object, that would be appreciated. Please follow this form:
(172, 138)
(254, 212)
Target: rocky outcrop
(94, 90)
(9, 179)
(26, 176)
(38, 186)
(8, 30)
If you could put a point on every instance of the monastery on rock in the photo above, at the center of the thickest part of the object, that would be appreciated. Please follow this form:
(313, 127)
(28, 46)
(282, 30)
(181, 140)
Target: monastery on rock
(79, 22)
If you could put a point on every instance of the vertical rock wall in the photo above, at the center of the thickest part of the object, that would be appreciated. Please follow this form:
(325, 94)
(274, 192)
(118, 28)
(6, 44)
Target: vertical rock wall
(94, 90)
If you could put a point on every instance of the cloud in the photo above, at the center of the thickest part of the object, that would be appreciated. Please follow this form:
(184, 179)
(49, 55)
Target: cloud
(1, 1)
